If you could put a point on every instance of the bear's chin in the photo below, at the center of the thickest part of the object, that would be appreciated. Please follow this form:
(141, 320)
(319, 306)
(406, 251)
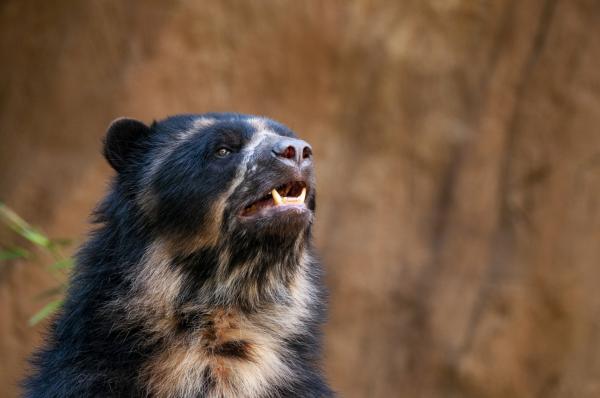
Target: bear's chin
(283, 221)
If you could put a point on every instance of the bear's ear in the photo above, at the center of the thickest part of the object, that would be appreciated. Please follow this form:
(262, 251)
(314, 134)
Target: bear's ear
(124, 137)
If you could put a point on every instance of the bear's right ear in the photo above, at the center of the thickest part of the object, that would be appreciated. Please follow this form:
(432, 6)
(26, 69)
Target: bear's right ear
(124, 137)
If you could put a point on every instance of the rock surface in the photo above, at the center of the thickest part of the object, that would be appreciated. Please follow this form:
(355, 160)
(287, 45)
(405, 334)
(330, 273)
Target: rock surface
(458, 156)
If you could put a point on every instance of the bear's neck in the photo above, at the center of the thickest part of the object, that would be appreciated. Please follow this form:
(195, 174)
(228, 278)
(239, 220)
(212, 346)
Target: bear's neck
(224, 348)
(220, 320)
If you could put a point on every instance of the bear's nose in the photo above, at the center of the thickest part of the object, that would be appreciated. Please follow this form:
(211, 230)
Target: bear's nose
(293, 149)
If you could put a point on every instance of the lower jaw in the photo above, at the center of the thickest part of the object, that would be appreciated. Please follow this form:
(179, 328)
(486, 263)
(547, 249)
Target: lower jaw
(273, 211)
(280, 220)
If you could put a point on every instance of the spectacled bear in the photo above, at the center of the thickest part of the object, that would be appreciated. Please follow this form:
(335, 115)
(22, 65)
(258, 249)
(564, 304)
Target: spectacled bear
(200, 278)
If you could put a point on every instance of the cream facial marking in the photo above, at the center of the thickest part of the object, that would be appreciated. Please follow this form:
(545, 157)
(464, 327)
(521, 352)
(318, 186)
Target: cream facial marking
(249, 150)
(258, 123)
(204, 122)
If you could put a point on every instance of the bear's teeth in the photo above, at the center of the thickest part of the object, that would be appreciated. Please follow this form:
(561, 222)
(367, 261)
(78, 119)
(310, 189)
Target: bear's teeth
(302, 196)
(277, 197)
(288, 200)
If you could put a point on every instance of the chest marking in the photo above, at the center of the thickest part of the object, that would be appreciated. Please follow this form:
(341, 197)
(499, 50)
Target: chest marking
(226, 357)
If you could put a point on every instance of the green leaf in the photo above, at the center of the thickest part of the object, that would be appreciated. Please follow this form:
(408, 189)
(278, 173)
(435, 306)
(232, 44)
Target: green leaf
(36, 237)
(21, 227)
(45, 312)
(13, 253)
(16, 223)
(62, 264)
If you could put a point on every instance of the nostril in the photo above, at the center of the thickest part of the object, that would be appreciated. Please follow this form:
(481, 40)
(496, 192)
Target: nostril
(292, 149)
(306, 152)
(289, 152)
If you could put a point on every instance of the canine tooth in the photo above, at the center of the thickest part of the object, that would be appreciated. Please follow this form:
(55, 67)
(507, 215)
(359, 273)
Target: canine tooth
(277, 197)
(302, 196)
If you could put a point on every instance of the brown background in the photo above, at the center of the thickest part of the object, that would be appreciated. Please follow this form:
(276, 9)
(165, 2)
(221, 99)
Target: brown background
(458, 154)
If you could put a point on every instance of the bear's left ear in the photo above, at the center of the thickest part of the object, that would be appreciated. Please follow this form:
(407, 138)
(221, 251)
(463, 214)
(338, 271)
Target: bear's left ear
(124, 138)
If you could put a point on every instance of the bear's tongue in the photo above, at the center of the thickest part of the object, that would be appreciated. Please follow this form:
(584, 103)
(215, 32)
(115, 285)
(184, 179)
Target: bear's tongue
(281, 196)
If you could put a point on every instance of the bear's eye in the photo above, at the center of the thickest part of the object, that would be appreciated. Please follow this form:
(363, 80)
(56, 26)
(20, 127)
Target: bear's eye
(223, 152)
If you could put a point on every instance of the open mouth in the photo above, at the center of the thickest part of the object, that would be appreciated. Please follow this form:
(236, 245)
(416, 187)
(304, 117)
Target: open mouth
(290, 194)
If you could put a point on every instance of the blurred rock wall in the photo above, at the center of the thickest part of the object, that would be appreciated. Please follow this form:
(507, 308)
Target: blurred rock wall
(458, 156)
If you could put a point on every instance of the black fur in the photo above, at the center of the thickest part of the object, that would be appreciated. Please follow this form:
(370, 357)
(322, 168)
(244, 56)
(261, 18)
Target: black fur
(162, 215)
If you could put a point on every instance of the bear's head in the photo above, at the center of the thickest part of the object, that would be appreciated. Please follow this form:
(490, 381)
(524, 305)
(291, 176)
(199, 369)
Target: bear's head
(235, 192)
